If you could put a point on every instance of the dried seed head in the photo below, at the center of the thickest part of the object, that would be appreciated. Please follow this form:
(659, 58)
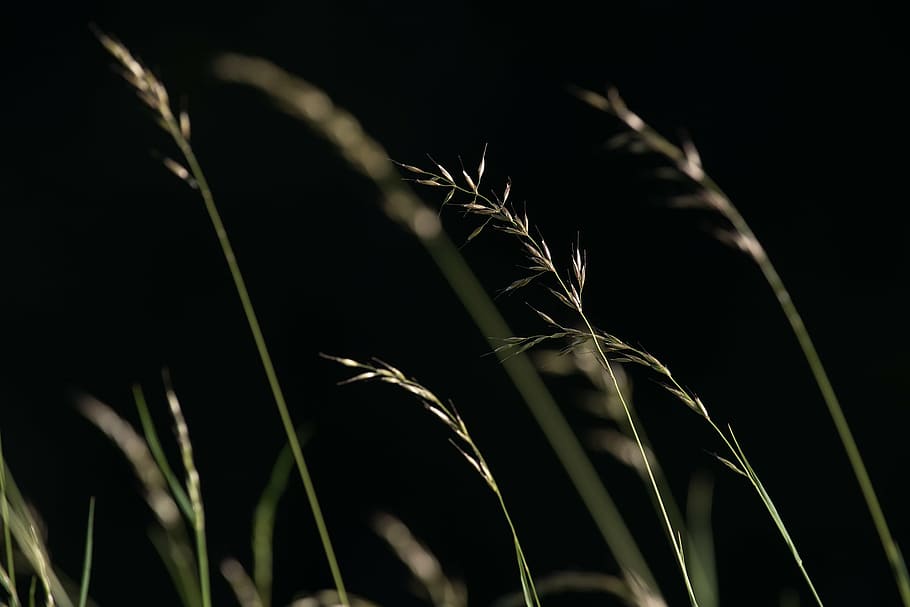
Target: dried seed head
(469, 180)
(185, 124)
(176, 168)
(483, 161)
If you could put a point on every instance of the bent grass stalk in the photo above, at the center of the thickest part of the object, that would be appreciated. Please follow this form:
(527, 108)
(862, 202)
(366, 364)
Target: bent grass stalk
(466, 446)
(695, 525)
(87, 559)
(154, 94)
(498, 213)
(425, 568)
(569, 293)
(710, 196)
(308, 103)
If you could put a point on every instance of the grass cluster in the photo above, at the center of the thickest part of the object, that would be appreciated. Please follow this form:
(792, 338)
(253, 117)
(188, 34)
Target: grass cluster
(28, 577)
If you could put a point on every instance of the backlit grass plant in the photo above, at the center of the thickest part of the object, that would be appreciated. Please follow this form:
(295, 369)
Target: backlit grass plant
(176, 499)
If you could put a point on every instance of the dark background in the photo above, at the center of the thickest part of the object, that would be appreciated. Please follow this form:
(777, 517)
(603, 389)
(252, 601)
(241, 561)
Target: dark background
(111, 271)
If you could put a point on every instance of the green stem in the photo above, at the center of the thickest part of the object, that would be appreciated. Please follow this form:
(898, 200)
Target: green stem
(728, 210)
(525, 571)
(746, 469)
(87, 560)
(402, 206)
(205, 582)
(264, 355)
(542, 406)
(7, 537)
(674, 541)
(892, 551)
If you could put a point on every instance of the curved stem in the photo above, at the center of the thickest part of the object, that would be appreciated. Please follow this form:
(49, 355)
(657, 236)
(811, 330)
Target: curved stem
(689, 164)
(674, 540)
(543, 408)
(264, 355)
(842, 426)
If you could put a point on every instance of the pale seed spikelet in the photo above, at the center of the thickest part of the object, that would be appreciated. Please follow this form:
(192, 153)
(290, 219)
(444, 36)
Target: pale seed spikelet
(150, 90)
(241, 584)
(686, 162)
(193, 488)
(567, 289)
(465, 445)
(186, 453)
(424, 566)
(137, 453)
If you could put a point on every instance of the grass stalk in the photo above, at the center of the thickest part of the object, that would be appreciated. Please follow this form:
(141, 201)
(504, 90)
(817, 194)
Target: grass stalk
(568, 293)
(264, 525)
(687, 162)
(425, 568)
(87, 559)
(696, 523)
(241, 583)
(161, 494)
(673, 535)
(154, 94)
(194, 491)
(25, 534)
(306, 102)
(465, 444)
(264, 356)
(10, 572)
(154, 446)
(502, 216)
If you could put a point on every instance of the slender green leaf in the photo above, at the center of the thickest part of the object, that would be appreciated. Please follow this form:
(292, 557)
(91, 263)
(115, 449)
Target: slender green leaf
(87, 561)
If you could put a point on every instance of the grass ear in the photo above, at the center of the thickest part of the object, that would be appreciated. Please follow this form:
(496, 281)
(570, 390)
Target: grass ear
(155, 95)
(686, 163)
(462, 441)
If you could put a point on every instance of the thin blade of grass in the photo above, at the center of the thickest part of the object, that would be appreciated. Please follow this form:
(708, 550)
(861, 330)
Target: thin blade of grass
(402, 206)
(264, 520)
(154, 444)
(87, 560)
(701, 540)
(153, 92)
(180, 567)
(7, 585)
(10, 571)
(775, 515)
(465, 445)
(685, 162)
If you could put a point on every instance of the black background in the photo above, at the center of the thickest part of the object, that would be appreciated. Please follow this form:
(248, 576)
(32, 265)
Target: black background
(111, 271)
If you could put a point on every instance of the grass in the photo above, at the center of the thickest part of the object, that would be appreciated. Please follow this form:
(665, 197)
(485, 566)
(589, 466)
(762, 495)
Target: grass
(365, 155)
(710, 196)
(465, 444)
(154, 94)
(498, 213)
(176, 500)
